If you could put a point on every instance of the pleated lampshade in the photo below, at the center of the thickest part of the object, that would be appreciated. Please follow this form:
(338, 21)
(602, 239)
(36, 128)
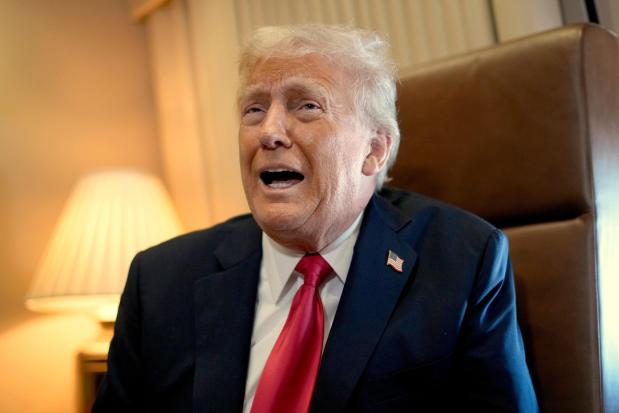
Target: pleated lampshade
(109, 217)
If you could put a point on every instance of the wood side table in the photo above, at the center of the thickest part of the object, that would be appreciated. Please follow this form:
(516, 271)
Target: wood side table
(92, 365)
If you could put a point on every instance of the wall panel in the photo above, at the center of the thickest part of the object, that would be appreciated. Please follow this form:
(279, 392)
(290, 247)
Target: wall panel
(418, 30)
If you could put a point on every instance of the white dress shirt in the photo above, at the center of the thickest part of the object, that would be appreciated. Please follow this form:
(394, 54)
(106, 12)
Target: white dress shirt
(278, 285)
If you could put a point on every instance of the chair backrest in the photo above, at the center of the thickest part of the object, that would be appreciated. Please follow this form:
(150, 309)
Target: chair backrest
(526, 135)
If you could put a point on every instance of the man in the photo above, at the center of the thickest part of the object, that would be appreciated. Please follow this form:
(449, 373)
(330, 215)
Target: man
(327, 297)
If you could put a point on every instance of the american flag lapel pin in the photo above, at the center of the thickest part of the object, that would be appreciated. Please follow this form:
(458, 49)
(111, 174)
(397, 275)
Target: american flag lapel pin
(394, 261)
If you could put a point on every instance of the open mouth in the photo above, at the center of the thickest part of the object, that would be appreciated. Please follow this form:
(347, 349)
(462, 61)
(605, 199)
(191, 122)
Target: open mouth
(281, 178)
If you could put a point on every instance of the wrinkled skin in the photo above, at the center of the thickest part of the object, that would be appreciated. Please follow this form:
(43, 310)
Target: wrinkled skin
(297, 115)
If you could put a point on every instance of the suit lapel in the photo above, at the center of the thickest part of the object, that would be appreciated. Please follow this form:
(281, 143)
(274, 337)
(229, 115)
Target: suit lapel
(224, 315)
(369, 298)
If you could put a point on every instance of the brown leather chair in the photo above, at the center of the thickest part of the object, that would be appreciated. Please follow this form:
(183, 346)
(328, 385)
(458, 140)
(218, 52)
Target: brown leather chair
(526, 135)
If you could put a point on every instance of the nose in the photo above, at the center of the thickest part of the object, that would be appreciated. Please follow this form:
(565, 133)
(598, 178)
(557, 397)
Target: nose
(274, 128)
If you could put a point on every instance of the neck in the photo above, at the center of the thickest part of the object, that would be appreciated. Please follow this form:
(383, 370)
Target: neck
(311, 243)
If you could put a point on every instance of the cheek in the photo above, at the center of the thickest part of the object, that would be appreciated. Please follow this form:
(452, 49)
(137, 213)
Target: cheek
(337, 168)
(328, 161)
(246, 149)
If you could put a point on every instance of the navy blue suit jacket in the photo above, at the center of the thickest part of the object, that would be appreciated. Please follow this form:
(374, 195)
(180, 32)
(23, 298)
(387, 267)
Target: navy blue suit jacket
(440, 336)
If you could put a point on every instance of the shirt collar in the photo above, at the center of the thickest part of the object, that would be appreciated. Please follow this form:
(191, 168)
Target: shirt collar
(280, 262)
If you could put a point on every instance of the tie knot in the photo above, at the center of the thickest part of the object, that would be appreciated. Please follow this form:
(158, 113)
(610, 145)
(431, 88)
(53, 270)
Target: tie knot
(314, 269)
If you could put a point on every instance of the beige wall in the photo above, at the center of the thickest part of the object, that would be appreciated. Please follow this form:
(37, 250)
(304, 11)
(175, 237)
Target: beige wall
(608, 12)
(519, 18)
(74, 96)
(417, 30)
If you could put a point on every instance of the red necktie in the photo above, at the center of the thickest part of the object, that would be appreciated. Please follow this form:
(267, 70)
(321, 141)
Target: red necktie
(287, 381)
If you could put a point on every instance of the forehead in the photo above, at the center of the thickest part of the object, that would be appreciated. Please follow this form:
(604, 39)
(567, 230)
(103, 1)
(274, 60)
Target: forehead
(308, 71)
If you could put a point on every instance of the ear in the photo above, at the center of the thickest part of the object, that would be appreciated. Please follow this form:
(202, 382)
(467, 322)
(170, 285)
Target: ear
(376, 159)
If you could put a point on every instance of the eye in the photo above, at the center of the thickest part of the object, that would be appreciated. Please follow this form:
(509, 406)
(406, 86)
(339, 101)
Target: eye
(253, 114)
(310, 106)
(252, 109)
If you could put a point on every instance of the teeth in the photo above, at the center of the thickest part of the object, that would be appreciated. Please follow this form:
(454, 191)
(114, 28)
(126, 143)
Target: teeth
(278, 170)
(280, 184)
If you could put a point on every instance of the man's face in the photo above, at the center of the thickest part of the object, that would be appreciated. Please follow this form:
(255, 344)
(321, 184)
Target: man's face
(307, 161)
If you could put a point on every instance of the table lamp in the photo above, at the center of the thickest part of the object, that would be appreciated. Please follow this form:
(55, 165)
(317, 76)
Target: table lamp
(108, 218)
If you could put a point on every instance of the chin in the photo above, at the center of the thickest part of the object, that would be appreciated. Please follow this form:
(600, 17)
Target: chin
(278, 218)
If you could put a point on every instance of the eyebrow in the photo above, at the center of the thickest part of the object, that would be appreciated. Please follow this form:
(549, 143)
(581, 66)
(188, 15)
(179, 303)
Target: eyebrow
(294, 83)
